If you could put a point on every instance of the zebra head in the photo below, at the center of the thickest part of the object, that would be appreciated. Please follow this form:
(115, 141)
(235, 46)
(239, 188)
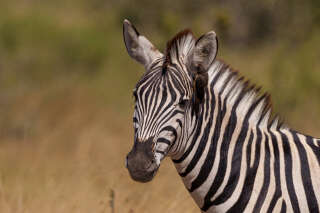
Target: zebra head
(168, 97)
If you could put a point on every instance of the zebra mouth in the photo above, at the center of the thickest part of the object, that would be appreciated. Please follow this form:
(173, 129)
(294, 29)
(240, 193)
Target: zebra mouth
(143, 176)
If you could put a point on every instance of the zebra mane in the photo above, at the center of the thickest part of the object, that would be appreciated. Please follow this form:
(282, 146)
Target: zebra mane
(229, 83)
(234, 88)
(178, 48)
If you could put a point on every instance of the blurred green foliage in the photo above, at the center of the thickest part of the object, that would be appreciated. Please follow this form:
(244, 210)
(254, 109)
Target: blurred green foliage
(49, 44)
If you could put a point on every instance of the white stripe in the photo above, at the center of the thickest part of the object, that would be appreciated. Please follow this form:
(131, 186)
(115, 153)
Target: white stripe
(200, 193)
(314, 167)
(272, 186)
(195, 171)
(240, 185)
(258, 183)
(230, 151)
(278, 206)
(283, 181)
(296, 174)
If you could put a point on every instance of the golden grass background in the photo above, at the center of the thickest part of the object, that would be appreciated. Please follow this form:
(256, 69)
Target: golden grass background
(73, 158)
(66, 83)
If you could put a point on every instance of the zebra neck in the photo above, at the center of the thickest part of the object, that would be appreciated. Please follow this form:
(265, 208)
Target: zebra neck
(233, 155)
(230, 117)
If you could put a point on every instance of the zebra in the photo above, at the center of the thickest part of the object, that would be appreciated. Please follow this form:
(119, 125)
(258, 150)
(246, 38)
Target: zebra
(232, 154)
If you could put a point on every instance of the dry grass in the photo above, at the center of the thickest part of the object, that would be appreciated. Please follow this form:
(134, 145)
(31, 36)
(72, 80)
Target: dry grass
(63, 148)
(63, 145)
(65, 153)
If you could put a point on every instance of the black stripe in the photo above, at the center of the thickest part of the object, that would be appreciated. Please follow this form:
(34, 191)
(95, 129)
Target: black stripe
(178, 80)
(202, 144)
(169, 116)
(163, 140)
(182, 82)
(266, 180)
(145, 91)
(306, 177)
(173, 97)
(237, 155)
(283, 207)
(230, 76)
(160, 152)
(288, 172)
(194, 139)
(164, 97)
(208, 163)
(314, 148)
(209, 105)
(244, 197)
(223, 158)
(179, 122)
(171, 129)
(235, 167)
(277, 194)
(150, 106)
(155, 95)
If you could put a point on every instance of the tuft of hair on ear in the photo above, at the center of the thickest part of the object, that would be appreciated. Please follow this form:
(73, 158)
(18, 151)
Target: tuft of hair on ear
(200, 82)
(166, 62)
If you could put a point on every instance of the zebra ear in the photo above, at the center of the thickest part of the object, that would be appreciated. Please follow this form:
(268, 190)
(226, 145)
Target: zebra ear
(203, 53)
(138, 46)
(199, 61)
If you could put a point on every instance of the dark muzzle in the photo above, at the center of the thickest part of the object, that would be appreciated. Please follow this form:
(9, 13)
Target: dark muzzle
(141, 161)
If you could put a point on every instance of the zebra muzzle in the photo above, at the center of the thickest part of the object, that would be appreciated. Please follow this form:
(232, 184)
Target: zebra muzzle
(141, 161)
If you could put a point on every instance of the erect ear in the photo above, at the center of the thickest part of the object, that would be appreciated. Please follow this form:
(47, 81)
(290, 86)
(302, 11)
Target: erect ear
(203, 53)
(199, 61)
(138, 46)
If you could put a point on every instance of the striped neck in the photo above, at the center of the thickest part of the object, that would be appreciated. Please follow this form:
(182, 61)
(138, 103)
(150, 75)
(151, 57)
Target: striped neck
(227, 95)
(231, 112)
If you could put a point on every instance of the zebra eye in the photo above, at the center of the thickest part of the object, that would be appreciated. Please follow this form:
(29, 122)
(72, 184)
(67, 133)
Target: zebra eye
(183, 103)
(135, 120)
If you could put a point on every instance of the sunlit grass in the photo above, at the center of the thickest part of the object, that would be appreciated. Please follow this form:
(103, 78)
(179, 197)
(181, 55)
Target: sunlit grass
(71, 156)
